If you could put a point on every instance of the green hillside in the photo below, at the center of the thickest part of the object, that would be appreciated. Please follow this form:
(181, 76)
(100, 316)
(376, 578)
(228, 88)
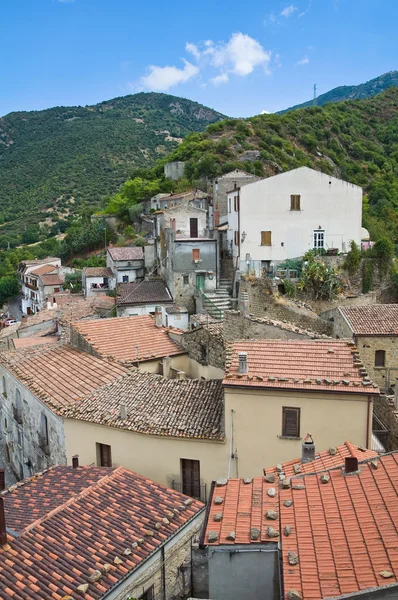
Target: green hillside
(356, 141)
(82, 154)
(353, 92)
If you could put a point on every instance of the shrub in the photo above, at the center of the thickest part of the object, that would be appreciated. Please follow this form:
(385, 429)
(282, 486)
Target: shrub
(367, 275)
(353, 259)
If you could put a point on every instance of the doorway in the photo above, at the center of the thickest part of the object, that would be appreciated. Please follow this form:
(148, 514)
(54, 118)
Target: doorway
(193, 228)
(200, 281)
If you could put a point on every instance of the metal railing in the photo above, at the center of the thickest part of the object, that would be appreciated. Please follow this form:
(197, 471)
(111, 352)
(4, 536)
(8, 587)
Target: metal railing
(198, 492)
(216, 312)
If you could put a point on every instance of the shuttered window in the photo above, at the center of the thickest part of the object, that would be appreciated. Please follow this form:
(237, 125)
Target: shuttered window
(266, 238)
(190, 471)
(196, 254)
(291, 422)
(236, 238)
(104, 455)
(295, 202)
(380, 358)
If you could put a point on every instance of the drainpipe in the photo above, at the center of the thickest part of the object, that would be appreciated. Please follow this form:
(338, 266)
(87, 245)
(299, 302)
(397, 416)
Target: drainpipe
(368, 422)
(162, 558)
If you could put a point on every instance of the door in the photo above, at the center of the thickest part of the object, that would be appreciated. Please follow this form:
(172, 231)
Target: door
(200, 281)
(193, 228)
(319, 239)
(190, 470)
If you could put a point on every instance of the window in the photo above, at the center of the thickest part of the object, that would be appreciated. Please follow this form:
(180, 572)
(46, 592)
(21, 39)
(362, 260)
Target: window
(43, 433)
(4, 387)
(185, 279)
(236, 238)
(290, 422)
(295, 202)
(229, 204)
(17, 408)
(190, 471)
(319, 238)
(193, 227)
(148, 595)
(104, 455)
(196, 254)
(380, 358)
(266, 238)
(203, 353)
(125, 278)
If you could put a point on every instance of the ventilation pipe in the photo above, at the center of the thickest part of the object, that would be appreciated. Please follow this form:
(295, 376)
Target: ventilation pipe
(351, 464)
(75, 461)
(158, 316)
(243, 366)
(308, 449)
(123, 412)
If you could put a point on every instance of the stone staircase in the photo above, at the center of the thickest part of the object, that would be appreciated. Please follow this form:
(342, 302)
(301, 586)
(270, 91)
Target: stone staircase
(215, 303)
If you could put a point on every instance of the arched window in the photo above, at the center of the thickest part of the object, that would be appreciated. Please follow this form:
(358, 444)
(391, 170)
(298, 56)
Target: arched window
(380, 358)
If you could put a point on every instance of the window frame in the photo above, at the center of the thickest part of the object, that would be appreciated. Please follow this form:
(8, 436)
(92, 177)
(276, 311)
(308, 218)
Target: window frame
(316, 239)
(295, 202)
(194, 484)
(149, 594)
(195, 254)
(100, 455)
(285, 432)
(185, 279)
(264, 238)
(380, 353)
(236, 238)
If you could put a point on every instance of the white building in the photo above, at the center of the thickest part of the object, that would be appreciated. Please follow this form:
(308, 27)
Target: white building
(40, 280)
(127, 264)
(98, 280)
(284, 216)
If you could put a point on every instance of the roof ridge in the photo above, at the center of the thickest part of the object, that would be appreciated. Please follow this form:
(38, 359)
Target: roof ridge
(73, 499)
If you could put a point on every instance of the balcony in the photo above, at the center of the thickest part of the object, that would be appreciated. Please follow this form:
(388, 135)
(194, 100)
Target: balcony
(99, 287)
(31, 286)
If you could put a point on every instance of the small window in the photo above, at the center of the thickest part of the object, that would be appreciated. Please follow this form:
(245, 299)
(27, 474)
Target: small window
(43, 435)
(185, 279)
(229, 204)
(380, 358)
(319, 238)
(295, 202)
(104, 455)
(236, 238)
(290, 422)
(148, 595)
(4, 387)
(125, 278)
(190, 471)
(266, 238)
(196, 254)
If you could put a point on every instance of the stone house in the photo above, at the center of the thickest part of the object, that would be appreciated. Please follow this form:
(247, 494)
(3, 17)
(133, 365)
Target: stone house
(35, 383)
(139, 535)
(284, 216)
(40, 280)
(279, 535)
(375, 331)
(195, 198)
(126, 264)
(224, 184)
(186, 253)
(142, 298)
(97, 280)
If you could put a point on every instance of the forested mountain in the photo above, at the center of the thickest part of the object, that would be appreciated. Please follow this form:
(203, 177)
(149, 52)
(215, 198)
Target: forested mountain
(353, 92)
(355, 140)
(86, 153)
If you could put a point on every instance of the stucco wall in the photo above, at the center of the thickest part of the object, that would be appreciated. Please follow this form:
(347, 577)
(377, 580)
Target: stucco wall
(242, 572)
(22, 440)
(225, 184)
(331, 419)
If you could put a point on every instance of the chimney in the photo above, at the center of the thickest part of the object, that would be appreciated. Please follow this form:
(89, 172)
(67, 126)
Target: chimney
(75, 461)
(2, 480)
(123, 412)
(158, 316)
(243, 366)
(351, 464)
(308, 449)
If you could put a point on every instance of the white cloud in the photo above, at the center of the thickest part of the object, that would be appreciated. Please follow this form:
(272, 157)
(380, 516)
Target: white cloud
(271, 18)
(288, 11)
(265, 112)
(219, 79)
(161, 79)
(193, 49)
(242, 54)
(303, 61)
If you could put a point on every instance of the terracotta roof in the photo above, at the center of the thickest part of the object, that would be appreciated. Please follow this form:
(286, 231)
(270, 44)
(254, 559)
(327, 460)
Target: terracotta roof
(245, 502)
(155, 405)
(59, 374)
(32, 498)
(39, 261)
(143, 292)
(26, 342)
(128, 338)
(333, 366)
(109, 527)
(172, 309)
(344, 531)
(44, 270)
(98, 272)
(131, 253)
(51, 279)
(376, 319)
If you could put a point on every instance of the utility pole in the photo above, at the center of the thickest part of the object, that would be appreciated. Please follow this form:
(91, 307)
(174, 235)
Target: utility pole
(314, 101)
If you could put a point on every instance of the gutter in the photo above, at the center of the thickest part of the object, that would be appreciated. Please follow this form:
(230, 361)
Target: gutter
(160, 547)
(202, 544)
(298, 390)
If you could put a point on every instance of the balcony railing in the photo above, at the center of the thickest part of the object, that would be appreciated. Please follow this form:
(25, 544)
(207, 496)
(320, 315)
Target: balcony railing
(99, 287)
(199, 492)
(31, 286)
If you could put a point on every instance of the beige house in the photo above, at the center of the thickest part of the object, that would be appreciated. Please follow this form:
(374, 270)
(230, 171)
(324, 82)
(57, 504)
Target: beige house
(273, 394)
(374, 329)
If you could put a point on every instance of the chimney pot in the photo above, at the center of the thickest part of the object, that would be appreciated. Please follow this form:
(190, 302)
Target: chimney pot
(351, 464)
(123, 412)
(75, 461)
(243, 366)
(158, 316)
(308, 449)
(2, 480)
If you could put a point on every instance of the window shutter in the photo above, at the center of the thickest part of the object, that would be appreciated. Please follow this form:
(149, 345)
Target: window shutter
(266, 238)
(236, 236)
(291, 422)
(295, 202)
(196, 254)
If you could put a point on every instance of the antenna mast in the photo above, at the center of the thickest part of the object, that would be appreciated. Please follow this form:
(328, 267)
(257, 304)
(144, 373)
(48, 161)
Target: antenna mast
(314, 101)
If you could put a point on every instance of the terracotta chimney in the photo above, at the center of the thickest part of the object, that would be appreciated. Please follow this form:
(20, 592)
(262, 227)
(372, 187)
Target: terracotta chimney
(75, 461)
(351, 464)
(243, 366)
(158, 316)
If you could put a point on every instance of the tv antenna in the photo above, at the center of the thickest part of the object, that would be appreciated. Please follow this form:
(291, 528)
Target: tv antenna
(314, 101)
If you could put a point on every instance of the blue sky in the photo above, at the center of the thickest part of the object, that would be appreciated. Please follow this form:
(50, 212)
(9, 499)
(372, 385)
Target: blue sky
(240, 58)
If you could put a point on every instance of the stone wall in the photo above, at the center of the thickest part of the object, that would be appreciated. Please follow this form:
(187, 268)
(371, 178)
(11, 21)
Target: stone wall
(238, 327)
(367, 347)
(205, 347)
(263, 304)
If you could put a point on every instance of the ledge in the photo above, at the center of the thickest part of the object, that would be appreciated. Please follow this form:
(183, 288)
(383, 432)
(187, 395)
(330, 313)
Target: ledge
(288, 437)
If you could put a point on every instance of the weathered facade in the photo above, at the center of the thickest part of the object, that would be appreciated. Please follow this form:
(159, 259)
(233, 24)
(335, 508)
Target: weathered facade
(127, 264)
(224, 184)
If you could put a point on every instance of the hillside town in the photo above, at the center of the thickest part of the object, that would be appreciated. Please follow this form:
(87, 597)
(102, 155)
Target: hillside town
(213, 414)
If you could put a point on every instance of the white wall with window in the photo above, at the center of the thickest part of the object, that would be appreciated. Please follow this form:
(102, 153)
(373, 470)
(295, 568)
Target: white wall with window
(286, 215)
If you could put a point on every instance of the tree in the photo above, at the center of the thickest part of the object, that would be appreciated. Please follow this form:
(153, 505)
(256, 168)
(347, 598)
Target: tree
(353, 259)
(9, 288)
(319, 279)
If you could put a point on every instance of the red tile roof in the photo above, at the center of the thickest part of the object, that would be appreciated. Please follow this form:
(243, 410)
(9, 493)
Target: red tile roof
(333, 366)
(143, 292)
(132, 253)
(187, 408)
(128, 338)
(344, 531)
(111, 527)
(98, 272)
(245, 502)
(54, 279)
(58, 374)
(27, 342)
(44, 270)
(377, 319)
